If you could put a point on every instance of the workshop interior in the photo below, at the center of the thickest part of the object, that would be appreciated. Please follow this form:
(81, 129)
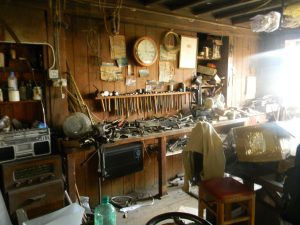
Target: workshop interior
(143, 111)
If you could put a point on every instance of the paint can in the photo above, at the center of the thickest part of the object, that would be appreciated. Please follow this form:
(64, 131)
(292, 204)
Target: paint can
(37, 93)
(13, 95)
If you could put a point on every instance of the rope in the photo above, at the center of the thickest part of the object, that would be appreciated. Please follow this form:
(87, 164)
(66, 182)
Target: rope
(171, 48)
(115, 16)
(78, 100)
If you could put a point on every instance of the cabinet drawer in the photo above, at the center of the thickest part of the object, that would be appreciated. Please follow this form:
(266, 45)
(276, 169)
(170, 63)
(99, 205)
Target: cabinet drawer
(38, 199)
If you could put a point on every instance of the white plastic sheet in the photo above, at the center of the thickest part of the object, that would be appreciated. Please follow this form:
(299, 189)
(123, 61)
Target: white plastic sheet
(266, 23)
(4, 217)
(71, 214)
(291, 16)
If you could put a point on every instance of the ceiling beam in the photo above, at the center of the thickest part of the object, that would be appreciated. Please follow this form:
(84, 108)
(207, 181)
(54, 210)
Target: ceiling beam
(242, 10)
(150, 2)
(247, 17)
(186, 4)
(221, 5)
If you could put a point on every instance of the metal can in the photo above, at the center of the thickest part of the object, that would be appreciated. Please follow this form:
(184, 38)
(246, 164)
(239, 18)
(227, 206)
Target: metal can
(37, 93)
(2, 59)
(1, 95)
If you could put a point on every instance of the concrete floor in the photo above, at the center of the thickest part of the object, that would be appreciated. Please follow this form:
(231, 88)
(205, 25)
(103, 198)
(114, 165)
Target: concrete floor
(177, 200)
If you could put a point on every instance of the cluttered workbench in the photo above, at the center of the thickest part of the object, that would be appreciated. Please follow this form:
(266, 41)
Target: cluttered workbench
(83, 166)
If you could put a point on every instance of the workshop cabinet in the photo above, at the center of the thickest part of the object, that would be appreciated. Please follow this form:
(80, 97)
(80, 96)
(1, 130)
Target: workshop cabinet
(36, 185)
(213, 53)
(37, 199)
(26, 61)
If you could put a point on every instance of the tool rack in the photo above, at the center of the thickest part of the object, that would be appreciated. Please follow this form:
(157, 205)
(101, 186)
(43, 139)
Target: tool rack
(139, 103)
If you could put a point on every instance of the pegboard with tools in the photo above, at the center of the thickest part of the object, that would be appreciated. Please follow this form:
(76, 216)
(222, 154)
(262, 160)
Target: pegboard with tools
(127, 104)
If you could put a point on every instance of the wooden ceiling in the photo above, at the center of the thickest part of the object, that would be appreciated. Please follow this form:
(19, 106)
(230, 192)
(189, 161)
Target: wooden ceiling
(230, 12)
(233, 12)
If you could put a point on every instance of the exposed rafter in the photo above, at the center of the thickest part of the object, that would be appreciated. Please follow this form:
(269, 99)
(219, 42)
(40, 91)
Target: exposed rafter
(186, 4)
(242, 10)
(227, 12)
(221, 5)
(150, 2)
(247, 17)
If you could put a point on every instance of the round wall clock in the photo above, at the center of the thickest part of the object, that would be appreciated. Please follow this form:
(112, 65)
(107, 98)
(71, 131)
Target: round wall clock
(145, 51)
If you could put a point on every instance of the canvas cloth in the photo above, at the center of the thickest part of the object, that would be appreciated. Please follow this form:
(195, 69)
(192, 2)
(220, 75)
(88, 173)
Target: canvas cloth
(205, 140)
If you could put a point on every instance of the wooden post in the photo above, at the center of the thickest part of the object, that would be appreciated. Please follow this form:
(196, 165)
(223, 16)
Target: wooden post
(162, 176)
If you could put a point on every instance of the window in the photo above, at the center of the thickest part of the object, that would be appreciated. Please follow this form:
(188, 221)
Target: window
(289, 78)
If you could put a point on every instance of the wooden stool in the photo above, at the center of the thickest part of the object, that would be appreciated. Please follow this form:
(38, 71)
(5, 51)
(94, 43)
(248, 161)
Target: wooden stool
(218, 195)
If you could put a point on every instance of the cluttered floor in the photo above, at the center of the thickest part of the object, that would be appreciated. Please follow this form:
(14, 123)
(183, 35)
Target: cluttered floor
(179, 201)
(176, 200)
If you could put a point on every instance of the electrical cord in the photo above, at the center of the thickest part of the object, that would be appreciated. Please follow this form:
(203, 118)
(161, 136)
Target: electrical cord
(42, 103)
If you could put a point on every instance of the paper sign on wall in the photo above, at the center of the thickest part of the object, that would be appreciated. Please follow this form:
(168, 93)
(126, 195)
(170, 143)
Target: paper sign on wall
(117, 47)
(188, 52)
(111, 73)
(166, 71)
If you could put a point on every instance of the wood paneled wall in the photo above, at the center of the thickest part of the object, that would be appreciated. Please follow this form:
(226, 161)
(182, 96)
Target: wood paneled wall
(79, 54)
(240, 66)
(270, 60)
(85, 37)
(88, 39)
(73, 47)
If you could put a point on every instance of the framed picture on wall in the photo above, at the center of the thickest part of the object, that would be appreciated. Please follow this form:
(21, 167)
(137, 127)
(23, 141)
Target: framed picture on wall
(188, 52)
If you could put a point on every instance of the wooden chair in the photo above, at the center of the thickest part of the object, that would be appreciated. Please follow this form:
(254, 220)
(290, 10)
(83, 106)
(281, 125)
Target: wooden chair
(220, 195)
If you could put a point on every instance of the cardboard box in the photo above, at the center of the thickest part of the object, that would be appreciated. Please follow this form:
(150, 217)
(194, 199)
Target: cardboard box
(263, 143)
(206, 70)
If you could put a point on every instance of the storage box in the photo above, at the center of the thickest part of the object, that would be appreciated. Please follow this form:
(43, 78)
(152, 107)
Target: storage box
(263, 143)
(206, 70)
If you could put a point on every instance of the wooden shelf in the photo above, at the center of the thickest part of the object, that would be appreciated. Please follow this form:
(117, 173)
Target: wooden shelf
(6, 69)
(20, 102)
(17, 65)
(207, 59)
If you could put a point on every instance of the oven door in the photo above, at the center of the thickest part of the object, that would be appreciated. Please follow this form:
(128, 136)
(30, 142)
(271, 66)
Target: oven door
(122, 160)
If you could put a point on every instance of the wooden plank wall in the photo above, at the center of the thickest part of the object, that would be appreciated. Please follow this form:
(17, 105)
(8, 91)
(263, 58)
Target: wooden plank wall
(81, 56)
(240, 65)
(85, 37)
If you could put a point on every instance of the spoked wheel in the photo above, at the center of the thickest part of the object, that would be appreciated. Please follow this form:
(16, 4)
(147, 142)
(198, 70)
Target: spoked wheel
(177, 218)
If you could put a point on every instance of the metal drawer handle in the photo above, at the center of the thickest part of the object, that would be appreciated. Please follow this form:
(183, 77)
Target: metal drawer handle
(37, 198)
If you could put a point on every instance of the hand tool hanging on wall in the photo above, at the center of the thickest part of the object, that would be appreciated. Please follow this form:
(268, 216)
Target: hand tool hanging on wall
(128, 104)
(77, 96)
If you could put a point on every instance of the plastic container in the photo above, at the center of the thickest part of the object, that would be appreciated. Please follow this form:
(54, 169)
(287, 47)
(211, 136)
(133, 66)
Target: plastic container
(98, 218)
(37, 93)
(2, 59)
(12, 82)
(29, 91)
(13, 95)
(23, 91)
(1, 95)
(107, 211)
